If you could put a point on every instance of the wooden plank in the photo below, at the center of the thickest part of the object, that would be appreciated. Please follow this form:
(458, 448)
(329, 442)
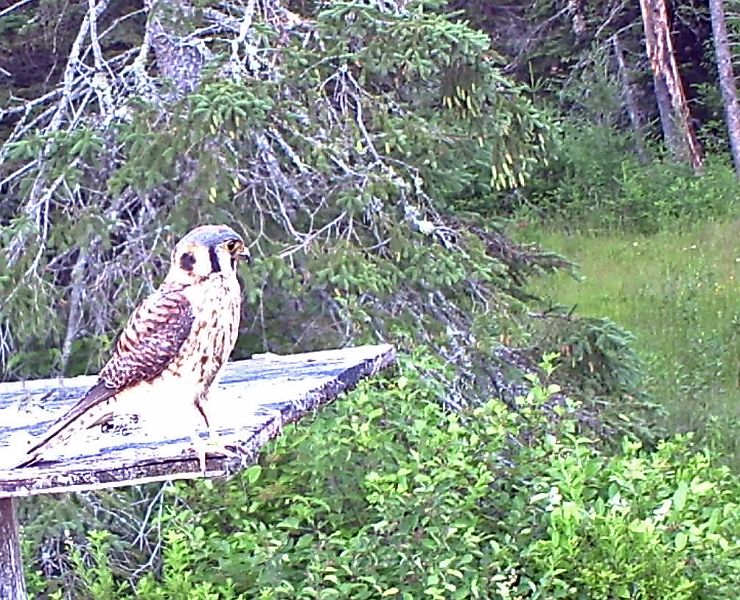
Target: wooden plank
(12, 583)
(252, 403)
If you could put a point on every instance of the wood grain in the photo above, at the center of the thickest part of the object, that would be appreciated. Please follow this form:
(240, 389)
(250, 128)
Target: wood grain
(255, 399)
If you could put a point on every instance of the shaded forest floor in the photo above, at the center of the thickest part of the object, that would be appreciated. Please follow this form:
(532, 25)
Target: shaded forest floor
(677, 291)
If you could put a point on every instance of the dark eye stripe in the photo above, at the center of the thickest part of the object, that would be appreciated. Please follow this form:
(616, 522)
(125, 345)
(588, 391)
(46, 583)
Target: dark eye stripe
(215, 266)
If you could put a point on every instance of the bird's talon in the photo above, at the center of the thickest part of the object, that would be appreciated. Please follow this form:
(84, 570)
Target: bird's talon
(206, 448)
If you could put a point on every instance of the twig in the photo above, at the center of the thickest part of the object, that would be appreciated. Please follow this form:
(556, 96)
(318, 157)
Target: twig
(12, 7)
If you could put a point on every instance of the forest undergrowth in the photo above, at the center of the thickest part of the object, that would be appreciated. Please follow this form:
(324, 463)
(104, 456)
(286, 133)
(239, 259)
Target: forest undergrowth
(372, 153)
(386, 494)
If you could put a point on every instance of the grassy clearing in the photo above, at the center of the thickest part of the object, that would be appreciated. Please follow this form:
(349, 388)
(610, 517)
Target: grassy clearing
(679, 293)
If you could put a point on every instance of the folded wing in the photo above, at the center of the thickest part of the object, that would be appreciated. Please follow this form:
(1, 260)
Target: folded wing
(149, 343)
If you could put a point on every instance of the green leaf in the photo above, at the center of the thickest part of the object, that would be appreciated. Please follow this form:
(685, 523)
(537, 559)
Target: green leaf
(252, 474)
(700, 488)
(679, 496)
(680, 541)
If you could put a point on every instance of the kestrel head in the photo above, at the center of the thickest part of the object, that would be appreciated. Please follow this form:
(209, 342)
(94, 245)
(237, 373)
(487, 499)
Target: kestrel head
(205, 251)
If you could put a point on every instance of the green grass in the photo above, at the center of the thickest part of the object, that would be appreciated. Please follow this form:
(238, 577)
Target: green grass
(679, 293)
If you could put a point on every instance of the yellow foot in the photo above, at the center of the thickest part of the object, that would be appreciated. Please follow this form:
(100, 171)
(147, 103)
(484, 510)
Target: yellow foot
(212, 445)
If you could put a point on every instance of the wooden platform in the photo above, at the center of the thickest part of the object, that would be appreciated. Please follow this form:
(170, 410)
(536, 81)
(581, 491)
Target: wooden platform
(252, 403)
(254, 400)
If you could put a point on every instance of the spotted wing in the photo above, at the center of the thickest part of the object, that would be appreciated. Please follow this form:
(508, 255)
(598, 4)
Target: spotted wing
(151, 340)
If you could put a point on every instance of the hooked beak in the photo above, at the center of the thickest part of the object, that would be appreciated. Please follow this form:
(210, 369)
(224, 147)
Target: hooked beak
(245, 255)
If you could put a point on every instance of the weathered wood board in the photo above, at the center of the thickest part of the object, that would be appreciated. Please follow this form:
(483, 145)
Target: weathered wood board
(253, 401)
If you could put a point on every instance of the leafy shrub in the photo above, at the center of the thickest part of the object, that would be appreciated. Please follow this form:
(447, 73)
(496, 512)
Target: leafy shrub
(597, 180)
(386, 494)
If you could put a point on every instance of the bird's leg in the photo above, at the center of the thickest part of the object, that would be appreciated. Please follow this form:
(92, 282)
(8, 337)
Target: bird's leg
(210, 446)
(200, 447)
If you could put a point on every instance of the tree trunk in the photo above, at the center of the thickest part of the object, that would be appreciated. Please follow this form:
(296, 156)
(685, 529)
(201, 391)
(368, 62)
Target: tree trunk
(179, 60)
(630, 101)
(12, 584)
(674, 110)
(726, 79)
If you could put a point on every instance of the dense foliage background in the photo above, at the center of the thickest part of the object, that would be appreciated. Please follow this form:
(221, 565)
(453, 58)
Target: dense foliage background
(403, 172)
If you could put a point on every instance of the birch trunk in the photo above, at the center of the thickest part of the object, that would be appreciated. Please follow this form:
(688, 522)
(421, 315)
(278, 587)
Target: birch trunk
(726, 79)
(12, 583)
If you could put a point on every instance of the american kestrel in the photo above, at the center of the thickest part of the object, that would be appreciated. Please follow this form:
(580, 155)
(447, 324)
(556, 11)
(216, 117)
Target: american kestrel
(175, 343)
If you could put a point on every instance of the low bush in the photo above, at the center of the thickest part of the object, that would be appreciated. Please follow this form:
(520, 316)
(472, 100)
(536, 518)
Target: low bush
(388, 495)
(597, 181)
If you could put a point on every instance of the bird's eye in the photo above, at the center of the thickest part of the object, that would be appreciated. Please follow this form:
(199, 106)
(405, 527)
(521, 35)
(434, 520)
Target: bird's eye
(232, 245)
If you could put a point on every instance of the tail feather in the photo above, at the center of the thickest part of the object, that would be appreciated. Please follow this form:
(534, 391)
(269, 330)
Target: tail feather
(72, 421)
